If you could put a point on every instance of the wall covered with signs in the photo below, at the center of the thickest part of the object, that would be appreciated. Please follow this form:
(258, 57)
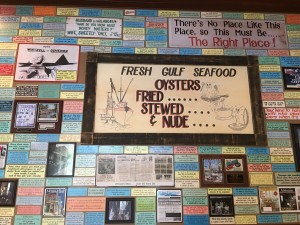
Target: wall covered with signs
(200, 141)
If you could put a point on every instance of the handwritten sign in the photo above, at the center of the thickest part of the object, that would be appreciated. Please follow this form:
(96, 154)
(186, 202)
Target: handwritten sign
(150, 103)
(93, 27)
(220, 33)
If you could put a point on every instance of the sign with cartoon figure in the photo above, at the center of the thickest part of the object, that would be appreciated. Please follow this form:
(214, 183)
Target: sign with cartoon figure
(37, 62)
(157, 98)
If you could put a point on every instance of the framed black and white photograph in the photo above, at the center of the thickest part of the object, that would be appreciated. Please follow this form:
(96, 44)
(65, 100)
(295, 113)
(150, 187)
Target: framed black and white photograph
(54, 202)
(291, 77)
(119, 210)
(221, 205)
(60, 159)
(3, 153)
(8, 190)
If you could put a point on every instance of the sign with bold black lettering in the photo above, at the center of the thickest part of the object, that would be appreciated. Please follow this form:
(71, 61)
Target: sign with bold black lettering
(187, 96)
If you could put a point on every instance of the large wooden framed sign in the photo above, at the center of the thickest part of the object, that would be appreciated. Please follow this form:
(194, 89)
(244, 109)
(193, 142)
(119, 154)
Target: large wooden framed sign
(155, 99)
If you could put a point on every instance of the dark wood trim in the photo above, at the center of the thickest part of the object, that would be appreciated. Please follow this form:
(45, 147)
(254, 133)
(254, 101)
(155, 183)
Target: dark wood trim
(269, 6)
(259, 137)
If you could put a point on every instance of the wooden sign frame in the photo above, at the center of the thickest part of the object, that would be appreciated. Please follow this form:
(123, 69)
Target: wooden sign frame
(258, 138)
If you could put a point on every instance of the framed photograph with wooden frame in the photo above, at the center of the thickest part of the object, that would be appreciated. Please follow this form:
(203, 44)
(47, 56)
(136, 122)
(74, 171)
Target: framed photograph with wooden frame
(291, 77)
(223, 170)
(8, 192)
(61, 159)
(119, 210)
(163, 99)
(37, 116)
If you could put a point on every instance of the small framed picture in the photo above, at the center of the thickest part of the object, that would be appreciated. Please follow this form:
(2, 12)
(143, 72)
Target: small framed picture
(291, 77)
(119, 210)
(54, 202)
(221, 205)
(224, 170)
(3, 153)
(60, 159)
(8, 190)
(212, 170)
(39, 116)
(48, 112)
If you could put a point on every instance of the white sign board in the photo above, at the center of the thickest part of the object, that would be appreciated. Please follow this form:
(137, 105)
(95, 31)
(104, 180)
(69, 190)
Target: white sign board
(148, 98)
(220, 33)
(93, 27)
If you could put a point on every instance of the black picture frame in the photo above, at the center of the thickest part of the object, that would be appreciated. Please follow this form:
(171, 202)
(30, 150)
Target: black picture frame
(221, 205)
(61, 159)
(291, 77)
(54, 202)
(8, 192)
(295, 131)
(257, 138)
(119, 210)
(3, 154)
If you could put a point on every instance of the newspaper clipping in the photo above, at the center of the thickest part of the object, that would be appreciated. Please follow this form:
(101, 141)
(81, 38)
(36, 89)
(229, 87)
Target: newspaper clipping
(135, 170)
(169, 206)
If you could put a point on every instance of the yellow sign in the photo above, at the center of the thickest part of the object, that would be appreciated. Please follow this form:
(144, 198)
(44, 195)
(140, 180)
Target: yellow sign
(245, 219)
(7, 211)
(146, 51)
(264, 178)
(71, 95)
(270, 68)
(186, 175)
(8, 45)
(25, 171)
(6, 137)
(53, 221)
(67, 11)
(85, 41)
(219, 191)
(168, 13)
(212, 52)
(136, 149)
(32, 33)
(282, 159)
(233, 150)
(187, 184)
(6, 81)
(69, 137)
(69, 75)
(85, 172)
(143, 192)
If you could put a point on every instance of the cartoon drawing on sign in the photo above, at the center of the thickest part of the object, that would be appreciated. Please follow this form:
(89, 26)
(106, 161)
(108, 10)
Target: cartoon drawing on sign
(38, 62)
(38, 68)
(210, 93)
(117, 112)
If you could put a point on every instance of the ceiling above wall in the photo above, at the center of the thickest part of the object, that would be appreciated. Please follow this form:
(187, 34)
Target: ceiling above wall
(274, 6)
